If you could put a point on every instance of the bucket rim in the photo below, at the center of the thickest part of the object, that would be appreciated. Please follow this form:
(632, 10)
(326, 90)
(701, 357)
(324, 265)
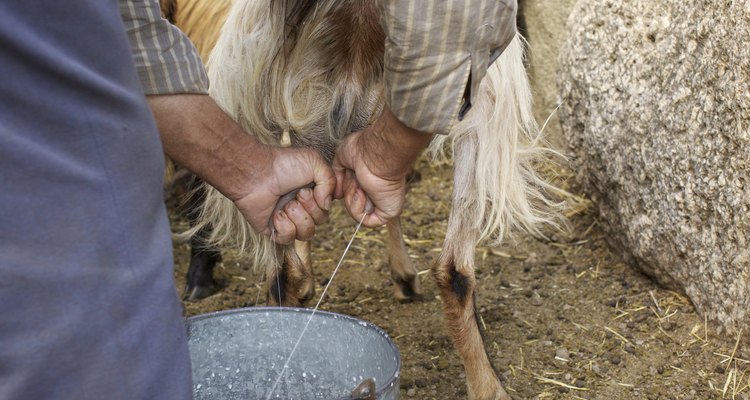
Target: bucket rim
(379, 389)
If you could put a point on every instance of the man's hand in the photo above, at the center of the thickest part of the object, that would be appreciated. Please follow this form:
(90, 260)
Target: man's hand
(289, 169)
(372, 165)
(200, 136)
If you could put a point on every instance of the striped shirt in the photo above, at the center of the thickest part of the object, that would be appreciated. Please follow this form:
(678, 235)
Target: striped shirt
(437, 53)
(166, 60)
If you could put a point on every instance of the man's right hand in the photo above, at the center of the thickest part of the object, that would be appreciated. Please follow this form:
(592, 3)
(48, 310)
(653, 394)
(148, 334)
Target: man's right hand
(373, 164)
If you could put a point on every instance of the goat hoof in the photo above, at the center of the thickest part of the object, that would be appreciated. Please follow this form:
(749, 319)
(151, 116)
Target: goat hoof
(406, 292)
(196, 293)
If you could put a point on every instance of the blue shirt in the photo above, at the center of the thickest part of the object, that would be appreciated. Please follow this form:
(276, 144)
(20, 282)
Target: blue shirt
(90, 310)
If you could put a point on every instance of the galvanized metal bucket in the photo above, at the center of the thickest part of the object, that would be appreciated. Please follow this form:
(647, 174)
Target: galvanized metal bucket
(239, 354)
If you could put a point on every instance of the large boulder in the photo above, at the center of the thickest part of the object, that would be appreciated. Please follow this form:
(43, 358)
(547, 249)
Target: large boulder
(656, 110)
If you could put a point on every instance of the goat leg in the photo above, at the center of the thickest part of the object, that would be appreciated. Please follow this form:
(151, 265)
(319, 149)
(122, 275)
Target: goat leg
(457, 285)
(292, 283)
(404, 275)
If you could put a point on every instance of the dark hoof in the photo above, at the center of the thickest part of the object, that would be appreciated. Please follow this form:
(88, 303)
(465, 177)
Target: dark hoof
(199, 292)
(407, 291)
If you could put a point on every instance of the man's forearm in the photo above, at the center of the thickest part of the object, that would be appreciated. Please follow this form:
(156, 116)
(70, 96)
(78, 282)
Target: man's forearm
(201, 137)
(390, 147)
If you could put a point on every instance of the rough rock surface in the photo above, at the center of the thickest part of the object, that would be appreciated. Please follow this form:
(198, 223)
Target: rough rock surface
(656, 110)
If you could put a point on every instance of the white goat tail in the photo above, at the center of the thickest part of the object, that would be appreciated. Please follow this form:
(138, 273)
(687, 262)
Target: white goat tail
(495, 151)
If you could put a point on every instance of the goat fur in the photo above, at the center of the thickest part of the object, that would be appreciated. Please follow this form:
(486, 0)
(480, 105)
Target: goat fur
(319, 97)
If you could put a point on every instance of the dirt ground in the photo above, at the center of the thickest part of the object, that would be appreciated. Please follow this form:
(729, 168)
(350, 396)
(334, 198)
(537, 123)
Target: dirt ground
(565, 319)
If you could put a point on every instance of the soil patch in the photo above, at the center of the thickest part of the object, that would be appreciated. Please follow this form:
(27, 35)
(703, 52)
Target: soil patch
(564, 318)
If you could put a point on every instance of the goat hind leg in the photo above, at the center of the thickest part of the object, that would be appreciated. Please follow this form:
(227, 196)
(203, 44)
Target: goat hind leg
(454, 275)
(403, 273)
(292, 283)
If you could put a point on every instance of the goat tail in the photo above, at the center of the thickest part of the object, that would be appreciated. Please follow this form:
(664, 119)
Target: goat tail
(495, 151)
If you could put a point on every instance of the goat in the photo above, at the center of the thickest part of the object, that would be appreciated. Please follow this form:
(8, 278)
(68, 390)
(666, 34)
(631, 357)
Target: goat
(307, 73)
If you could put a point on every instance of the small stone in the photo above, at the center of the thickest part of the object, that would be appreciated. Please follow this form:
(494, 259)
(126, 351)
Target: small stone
(411, 392)
(579, 383)
(640, 317)
(596, 369)
(562, 353)
(615, 360)
(720, 369)
(629, 348)
(536, 300)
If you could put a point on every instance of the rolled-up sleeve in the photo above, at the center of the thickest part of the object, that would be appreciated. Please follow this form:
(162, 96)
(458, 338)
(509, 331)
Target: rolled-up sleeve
(437, 52)
(165, 59)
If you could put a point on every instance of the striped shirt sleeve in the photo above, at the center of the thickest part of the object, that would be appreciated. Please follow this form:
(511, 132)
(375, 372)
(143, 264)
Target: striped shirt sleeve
(437, 52)
(165, 59)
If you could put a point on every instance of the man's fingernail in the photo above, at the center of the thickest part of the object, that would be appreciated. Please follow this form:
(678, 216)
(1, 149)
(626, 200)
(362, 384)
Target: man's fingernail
(305, 193)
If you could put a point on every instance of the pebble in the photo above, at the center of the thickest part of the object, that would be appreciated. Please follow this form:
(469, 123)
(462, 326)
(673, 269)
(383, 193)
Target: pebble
(615, 360)
(630, 349)
(536, 300)
(580, 383)
(599, 370)
(411, 392)
(562, 353)
(640, 317)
